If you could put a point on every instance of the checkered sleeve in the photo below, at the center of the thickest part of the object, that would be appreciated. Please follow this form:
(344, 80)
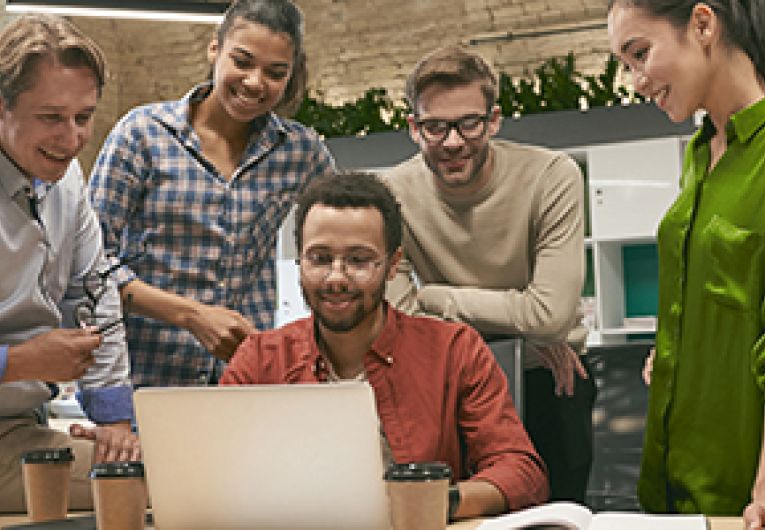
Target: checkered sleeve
(117, 184)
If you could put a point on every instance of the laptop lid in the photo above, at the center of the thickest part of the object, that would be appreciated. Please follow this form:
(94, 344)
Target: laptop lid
(303, 456)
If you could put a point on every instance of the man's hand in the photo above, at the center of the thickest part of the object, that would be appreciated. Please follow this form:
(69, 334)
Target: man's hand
(112, 443)
(219, 329)
(648, 366)
(53, 356)
(563, 362)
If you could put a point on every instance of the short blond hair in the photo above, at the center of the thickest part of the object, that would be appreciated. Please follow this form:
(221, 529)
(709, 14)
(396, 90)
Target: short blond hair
(451, 66)
(32, 38)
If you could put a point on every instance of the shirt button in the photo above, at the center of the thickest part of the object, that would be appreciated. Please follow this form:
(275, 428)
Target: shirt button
(389, 360)
(222, 284)
(203, 379)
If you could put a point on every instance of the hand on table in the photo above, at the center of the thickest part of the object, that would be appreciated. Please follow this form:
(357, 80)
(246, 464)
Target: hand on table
(219, 329)
(114, 442)
(563, 362)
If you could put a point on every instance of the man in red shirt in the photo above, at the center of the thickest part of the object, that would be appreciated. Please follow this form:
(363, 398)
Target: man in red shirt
(440, 394)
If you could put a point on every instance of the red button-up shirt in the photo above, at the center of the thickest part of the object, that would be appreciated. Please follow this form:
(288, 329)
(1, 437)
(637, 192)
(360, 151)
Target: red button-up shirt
(440, 395)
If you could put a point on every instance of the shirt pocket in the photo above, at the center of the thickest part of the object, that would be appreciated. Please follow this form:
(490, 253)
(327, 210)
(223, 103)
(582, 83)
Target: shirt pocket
(733, 274)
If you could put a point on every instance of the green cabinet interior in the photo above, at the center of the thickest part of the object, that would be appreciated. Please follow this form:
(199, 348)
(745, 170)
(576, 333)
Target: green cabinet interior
(589, 277)
(641, 279)
(641, 272)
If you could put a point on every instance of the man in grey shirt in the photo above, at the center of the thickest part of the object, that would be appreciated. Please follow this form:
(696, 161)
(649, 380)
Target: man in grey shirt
(51, 77)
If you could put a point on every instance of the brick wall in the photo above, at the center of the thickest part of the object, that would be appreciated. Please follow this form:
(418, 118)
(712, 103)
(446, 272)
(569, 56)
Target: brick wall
(148, 61)
(353, 45)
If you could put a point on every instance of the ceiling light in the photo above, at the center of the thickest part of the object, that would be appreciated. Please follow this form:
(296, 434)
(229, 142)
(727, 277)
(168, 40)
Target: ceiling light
(189, 11)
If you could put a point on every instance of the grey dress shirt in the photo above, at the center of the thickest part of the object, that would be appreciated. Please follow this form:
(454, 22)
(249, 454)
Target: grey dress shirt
(44, 256)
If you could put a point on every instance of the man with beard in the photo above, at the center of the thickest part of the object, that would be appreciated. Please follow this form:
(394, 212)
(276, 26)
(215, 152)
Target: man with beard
(439, 392)
(493, 231)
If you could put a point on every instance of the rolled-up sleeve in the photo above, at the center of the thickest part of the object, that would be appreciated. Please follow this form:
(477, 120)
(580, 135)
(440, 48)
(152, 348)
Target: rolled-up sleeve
(499, 450)
(105, 389)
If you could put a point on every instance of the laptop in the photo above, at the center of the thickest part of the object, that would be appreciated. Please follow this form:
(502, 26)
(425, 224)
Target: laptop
(303, 456)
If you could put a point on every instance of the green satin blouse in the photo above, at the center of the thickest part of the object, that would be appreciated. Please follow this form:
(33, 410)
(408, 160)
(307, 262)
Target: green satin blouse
(705, 415)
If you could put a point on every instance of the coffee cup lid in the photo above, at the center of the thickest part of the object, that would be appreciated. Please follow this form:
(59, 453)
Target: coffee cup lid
(117, 470)
(48, 456)
(415, 471)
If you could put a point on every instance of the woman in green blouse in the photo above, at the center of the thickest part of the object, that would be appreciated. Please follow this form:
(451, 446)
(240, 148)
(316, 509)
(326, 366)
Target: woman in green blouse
(703, 439)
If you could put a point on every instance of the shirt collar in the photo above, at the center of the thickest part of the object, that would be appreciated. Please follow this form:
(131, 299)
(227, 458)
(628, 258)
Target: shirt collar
(748, 121)
(12, 180)
(742, 126)
(383, 346)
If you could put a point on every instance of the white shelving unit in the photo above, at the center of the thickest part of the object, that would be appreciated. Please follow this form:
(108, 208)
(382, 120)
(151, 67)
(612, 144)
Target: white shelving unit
(631, 185)
(290, 303)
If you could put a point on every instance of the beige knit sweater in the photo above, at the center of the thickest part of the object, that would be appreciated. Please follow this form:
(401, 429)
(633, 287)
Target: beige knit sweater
(507, 260)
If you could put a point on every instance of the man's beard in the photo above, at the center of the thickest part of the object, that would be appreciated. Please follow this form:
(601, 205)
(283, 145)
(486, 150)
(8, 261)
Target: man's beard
(479, 159)
(349, 323)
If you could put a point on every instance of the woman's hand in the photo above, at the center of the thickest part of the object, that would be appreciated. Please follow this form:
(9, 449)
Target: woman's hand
(219, 329)
(648, 366)
(754, 515)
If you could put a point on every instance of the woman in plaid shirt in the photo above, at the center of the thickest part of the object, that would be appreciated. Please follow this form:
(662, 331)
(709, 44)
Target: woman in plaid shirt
(199, 188)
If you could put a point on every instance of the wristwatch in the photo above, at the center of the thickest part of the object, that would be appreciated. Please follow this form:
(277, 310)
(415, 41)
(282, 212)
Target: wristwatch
(454, 500)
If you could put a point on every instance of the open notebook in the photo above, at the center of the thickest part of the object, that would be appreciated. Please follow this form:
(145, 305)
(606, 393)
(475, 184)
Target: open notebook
(273, 457)
(572, 516)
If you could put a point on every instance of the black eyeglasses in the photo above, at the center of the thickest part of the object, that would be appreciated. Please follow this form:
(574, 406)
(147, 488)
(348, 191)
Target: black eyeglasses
(94, 284)
(470, 127)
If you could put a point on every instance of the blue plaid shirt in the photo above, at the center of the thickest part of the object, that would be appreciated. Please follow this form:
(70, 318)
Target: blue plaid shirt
(206, 238)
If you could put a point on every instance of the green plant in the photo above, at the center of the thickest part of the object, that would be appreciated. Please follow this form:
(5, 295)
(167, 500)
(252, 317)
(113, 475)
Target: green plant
(555, 85)
(375, 111)
(602, 89)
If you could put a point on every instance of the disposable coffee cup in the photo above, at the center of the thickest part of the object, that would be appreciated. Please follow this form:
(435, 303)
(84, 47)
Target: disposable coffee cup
(46, 474)
(119, 495)
(418, 494)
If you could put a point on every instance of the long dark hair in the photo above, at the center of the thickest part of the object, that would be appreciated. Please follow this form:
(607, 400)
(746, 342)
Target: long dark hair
(280, 16)
(743, 21)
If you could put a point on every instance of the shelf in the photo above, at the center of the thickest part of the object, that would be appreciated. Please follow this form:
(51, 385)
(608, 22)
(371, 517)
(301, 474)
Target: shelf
(625, 240)
(628, 331)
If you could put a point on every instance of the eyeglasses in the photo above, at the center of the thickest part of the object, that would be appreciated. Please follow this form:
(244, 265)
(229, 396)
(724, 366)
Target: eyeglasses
(318, 265)
(470, 127)
(94, 284)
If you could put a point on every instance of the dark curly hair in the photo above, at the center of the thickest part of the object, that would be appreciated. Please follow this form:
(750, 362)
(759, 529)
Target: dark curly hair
(352, 189)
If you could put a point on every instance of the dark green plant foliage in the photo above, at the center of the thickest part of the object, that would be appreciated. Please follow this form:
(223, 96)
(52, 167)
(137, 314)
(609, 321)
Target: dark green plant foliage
(556, 85)
(375, 111)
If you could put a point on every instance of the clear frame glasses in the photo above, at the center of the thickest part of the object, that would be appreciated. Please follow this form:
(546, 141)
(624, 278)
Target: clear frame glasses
(357, 267)
(94, 284)
(470, 127)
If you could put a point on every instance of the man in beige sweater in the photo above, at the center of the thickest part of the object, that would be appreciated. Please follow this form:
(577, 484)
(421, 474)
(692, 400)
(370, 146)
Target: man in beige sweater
(493, 231)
